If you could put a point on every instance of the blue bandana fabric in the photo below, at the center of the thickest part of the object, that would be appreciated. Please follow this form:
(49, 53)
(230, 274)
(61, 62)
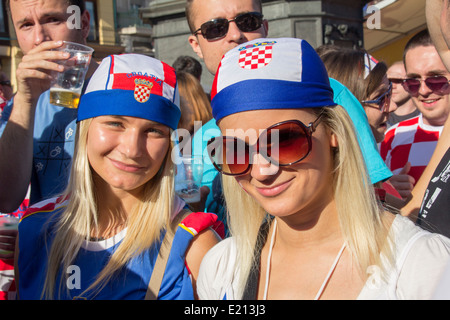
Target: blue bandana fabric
(278, 73)
(132, 85)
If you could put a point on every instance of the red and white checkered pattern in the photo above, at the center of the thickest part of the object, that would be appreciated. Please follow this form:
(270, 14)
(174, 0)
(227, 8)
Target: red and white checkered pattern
(409, 141)
(142, 93)
(7, 282)
(255, 58)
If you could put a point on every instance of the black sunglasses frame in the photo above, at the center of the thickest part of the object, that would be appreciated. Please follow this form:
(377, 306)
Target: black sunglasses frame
(309, 130)
(5, 83)
(225, 23)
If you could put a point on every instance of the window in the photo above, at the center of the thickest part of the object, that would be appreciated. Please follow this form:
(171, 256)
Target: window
(128, 12)
(91, 6)
(3, 22)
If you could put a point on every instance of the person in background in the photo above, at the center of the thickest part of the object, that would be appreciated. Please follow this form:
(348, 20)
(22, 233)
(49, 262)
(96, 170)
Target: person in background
(369, 84)
(120, 208)
(366, 78)
(408, 146)
(195, 105)
(406, 108)
(438, 21)
(304, 219)
(430, 199)
(216, 27)
(30, 125)
(188, 64)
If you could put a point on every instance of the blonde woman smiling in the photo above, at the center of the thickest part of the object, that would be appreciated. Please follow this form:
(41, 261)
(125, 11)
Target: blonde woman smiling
(303, 215)
(101, 239)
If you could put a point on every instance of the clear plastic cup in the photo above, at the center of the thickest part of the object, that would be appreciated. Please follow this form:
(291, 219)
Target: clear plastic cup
(65, 89)
(188, 178)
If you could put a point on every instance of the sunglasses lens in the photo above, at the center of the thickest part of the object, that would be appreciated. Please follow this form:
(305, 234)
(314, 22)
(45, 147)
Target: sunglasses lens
(214, 29)
(218, 28)
(286, 143)
(412, 85)
(437, 83)
(229, 155)
(395, 80)
(248, 22)
(283, 144)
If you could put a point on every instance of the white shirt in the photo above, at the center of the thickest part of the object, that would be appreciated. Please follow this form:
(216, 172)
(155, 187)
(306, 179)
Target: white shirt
(420, 257)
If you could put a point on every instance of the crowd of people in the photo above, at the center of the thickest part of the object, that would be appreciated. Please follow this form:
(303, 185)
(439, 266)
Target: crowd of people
(321, 163)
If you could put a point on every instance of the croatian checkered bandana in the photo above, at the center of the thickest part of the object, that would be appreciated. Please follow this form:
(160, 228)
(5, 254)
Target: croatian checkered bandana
(279, 73)
(132, 85)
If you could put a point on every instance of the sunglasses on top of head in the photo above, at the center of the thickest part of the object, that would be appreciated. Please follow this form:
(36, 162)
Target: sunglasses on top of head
(437, 84)
(283, 144)
(218, 28)
(382, 101)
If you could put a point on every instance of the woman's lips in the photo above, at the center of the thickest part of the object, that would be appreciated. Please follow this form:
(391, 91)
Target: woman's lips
(274, 190)
(125, 167)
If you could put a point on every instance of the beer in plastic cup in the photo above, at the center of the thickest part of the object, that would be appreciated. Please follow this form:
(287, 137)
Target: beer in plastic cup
(65, 90)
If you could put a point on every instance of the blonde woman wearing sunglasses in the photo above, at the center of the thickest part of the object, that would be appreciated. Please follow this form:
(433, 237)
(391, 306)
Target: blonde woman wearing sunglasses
(304, 218)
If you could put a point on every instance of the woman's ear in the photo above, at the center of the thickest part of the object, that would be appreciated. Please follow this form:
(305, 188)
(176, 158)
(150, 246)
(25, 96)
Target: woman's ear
(334, 140)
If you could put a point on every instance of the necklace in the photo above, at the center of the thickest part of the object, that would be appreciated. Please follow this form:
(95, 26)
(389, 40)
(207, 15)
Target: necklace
(269, 257)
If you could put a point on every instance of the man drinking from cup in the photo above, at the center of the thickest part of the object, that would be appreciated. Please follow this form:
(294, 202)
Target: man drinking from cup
(37, 138)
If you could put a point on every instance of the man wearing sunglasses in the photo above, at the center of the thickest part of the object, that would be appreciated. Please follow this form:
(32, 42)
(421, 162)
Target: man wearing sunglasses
(430, 198)
(406, 109)
(408, 145)
(218, 26)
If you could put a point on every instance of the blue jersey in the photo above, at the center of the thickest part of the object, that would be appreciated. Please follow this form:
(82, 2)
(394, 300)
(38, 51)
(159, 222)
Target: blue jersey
(131, 282)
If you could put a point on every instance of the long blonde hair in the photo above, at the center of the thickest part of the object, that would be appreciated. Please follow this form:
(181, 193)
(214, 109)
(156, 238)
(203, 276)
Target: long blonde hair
(360, 214)
(73, 226)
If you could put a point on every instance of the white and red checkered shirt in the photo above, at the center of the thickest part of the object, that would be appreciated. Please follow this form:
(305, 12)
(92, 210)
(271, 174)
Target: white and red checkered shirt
(410, 140)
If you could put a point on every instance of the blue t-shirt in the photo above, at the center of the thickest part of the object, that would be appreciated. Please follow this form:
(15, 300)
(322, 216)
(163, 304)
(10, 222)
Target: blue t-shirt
(53, 146)
(129, 283)
(377, 169)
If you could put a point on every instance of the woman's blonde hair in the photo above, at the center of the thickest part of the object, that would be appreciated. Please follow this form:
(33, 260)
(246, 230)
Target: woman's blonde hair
(359, 212)
(73, 226)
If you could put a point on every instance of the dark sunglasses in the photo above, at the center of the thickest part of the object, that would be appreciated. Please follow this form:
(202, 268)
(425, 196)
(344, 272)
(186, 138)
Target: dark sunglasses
(283, 144)
(218, 28)
(5, 83)
(396, 80)
(382, 101)
(436, 83)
